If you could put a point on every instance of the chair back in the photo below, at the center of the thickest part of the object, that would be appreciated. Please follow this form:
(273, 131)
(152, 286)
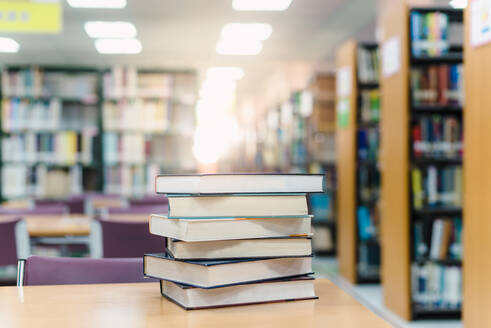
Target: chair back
(48, 209)
(140, 209)
(14, 241)
(122, 239)
(43, 270)
(154, 200)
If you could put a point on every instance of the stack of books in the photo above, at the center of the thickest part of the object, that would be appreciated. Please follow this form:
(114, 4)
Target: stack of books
(234, 239)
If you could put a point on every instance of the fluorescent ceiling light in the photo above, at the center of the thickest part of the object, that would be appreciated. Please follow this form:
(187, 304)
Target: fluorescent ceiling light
(113, 4)
(239, 47)
(9, 45)
(224, 72)
(118, 46)
(118, 30)
(261, 5)
(252, 31)
(458, 4)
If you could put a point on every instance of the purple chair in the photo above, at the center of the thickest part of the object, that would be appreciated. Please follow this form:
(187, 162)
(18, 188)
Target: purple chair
(55, 209)
(142, 209)
(74, 204)
(154, 200)
(43, 270)
(14, 241)
(120, 239)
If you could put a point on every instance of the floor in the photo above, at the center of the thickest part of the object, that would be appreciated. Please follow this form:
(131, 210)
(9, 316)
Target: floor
(371, 297)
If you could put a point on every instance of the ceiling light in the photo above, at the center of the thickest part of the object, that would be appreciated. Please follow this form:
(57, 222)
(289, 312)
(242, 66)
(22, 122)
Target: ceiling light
(239, 47)
(254, 31)
(9, 45)
(118, 46)
(263, 5)
(226, 73)
(117, 30)
(458, 4)
(113, 4)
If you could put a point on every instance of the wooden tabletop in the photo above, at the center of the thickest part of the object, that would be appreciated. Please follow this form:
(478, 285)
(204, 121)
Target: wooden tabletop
(140, 305)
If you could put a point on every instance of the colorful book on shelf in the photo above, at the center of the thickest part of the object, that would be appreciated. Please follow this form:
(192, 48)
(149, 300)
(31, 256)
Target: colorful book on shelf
(188, 297)
(206, 229)
(221, 273)
(240, 248)
(429, 33)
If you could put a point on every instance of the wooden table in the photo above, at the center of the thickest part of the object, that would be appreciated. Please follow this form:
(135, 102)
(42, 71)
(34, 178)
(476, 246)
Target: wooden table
(140, 305)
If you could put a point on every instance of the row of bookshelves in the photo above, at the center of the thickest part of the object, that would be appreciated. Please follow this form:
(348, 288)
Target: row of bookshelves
(69, 120)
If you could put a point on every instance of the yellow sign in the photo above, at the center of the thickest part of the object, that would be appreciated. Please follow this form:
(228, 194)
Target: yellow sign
(33, 16)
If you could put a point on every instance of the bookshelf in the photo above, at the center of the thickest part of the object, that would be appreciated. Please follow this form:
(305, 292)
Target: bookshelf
(359, 178)
(422, 106)
(298, 136)
(477, 178)
(69, 130)
(50, 131)
(149, 122)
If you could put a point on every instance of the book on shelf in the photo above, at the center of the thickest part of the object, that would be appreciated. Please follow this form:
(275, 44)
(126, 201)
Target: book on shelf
(434, 186)
(239, 183)
(368, 265)
(368, 185)
(128, 82)
(136, 115)
(429, 33)
(438, 85)
(368, 65)
(34, 83)
(203, 229)
(240, 248)
(188, 297)
(20, 181)
(440, 239)
(61, 148)
(436, 287)
(437, 136)
(370, 106)
(221, 273)
(368, 144)
(322, 207)
(237, 206)
(367, 223)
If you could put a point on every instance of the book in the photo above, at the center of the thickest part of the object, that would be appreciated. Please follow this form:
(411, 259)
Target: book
(237, 206)
(221, 273)
(240, 248)
(434, 186)
(429, 33)
(436, 286)
(189, 298)
(203, 229)
(239, 183)
(437, 85)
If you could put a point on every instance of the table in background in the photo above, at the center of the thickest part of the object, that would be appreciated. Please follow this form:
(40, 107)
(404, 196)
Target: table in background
(140, 305)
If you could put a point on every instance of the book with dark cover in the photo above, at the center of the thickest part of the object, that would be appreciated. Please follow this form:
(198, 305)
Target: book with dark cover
(221, 273)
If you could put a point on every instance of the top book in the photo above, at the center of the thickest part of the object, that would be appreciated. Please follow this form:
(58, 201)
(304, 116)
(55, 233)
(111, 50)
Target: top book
(239, 183)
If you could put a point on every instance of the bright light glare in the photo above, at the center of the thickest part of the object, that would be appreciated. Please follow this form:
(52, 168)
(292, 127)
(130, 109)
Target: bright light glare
(239, 47)
(113, 4)
(252, 31)
(263, 5)
(118, 30)
(9, 45)
(213, 140)
(118, 46)
(225, 73)
(458, 4)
